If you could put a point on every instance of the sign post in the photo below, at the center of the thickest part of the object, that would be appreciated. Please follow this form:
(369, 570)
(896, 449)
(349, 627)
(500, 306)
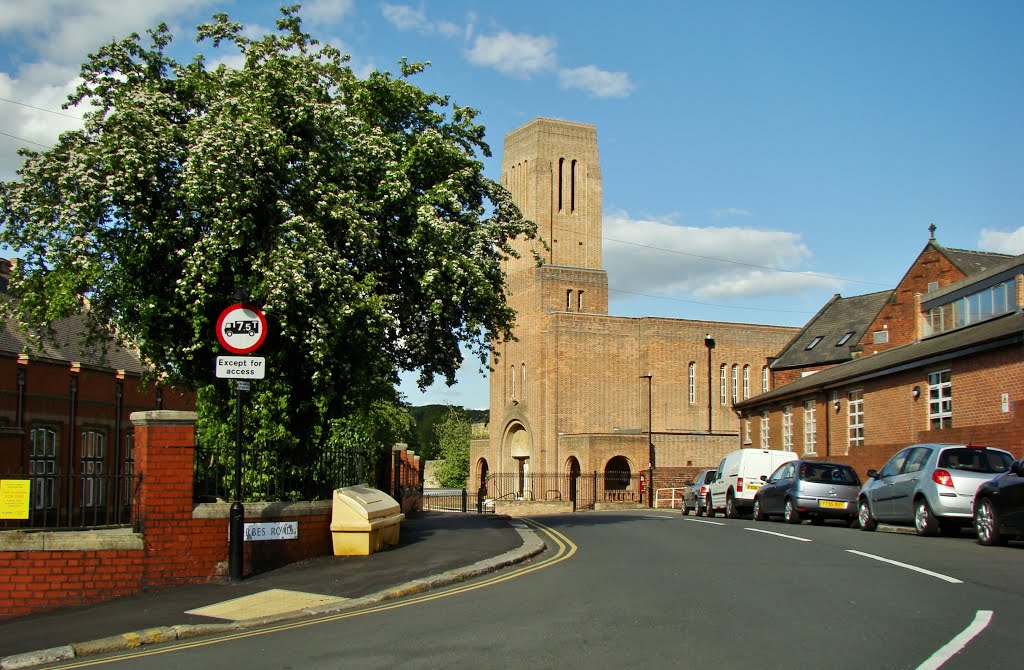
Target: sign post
(241, 329)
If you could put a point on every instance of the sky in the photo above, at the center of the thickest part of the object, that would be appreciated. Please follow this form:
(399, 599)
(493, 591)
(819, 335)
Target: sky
(757, 157)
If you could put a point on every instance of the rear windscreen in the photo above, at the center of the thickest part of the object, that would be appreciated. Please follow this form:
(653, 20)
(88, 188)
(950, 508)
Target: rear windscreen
(975, 460)
(829, 473)
(709, 477)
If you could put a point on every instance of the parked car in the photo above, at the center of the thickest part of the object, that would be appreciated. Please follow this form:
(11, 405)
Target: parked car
(693, 497)
(929, 485)
(999, 507)
(809, 489)
(739, 477)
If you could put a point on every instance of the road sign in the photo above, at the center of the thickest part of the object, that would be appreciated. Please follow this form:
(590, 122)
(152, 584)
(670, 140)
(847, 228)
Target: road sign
(241, 367)
(241, 329)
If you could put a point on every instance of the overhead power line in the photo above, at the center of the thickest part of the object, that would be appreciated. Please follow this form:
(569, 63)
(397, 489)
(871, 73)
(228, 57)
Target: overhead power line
(41, 109)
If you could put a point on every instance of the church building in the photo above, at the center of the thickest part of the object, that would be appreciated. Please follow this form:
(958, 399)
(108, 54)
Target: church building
(579, 391)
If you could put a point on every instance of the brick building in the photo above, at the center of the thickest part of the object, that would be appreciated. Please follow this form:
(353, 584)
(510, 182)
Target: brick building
(64, 419)
(954, 321)
(578, 390)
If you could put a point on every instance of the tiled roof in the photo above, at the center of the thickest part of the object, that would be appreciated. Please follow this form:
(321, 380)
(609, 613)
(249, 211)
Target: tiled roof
(973, 262)
(68, 346)
(1001, 331)
(839, 317)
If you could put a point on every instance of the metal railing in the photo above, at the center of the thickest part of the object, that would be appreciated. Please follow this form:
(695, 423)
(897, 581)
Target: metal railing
(453, 500)
(75, 501)
(674, 499)
(584, 490)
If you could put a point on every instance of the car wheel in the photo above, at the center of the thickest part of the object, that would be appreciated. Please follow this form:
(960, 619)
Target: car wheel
(986, 524)
(791, 514)
(731, 510)
(709, 511)
(864, 518)
(683, 510)
(924, 521)
(758, 511)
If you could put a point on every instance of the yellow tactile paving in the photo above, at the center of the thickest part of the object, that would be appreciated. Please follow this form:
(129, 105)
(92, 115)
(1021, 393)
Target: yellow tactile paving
(266, 603)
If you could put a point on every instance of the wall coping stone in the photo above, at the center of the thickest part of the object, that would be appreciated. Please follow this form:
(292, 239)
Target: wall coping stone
(72, 540)
(264, 510)
(163, 417)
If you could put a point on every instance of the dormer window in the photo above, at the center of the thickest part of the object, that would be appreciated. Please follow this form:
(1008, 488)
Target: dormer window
(844, 339)
(813, 343)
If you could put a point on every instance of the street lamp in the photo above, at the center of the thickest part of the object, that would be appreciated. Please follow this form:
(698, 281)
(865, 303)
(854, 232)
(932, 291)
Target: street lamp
(709, 342)
(650, 444)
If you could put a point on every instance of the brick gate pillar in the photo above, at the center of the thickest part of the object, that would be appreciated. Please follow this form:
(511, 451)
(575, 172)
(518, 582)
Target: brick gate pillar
(164, 453)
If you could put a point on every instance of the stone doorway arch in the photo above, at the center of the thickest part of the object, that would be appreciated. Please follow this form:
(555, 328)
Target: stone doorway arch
(572, 473)
(482, 472)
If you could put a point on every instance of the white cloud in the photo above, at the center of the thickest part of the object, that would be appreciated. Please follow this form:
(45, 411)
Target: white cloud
(513, 54)
(599, 83)
(1005, 243)
(719, 263)
(406, 18)
(326, 10)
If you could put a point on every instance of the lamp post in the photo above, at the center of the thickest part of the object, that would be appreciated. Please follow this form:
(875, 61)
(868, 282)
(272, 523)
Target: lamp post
(709, 342)
(650, 444)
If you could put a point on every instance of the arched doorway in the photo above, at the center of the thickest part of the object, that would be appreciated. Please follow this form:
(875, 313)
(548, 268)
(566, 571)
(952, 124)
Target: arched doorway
(517, 446)
(482, 472)
(572, 473)
(618, 477)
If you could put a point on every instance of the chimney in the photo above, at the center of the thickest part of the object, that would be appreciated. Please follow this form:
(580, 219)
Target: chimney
(5, 274)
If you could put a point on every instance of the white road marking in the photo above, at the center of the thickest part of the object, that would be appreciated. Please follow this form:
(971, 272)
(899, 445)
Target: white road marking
(651, 516)
(712, 523)
(951, 580)
(954, 646)
(788, 537)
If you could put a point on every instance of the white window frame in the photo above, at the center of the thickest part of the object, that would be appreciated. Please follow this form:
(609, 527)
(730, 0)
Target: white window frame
(746, 382)
(764, 430)
(735, 382)
(855, 414)
(764, 380)
(787, 428)
(940, 399)
(692, 381)
(723, 384)
(810, 428)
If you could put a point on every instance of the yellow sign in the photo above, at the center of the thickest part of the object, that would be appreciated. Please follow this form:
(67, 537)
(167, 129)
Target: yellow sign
(14, 498)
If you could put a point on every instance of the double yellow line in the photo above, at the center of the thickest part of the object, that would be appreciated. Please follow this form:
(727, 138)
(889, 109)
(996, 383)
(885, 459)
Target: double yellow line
(564, 549)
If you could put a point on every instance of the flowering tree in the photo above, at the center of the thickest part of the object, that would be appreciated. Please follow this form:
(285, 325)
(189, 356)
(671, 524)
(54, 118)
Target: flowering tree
(354, 213)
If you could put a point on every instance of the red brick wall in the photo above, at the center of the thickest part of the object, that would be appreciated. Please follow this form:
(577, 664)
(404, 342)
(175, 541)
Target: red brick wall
(178, 548)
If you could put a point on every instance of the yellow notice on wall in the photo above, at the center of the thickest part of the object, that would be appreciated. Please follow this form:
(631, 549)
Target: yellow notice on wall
(14, 498)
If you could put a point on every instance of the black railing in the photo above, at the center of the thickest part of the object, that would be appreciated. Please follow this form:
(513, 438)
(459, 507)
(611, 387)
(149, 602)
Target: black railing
(453, 500)
(69, 501)
(584, 490)
(268, 479)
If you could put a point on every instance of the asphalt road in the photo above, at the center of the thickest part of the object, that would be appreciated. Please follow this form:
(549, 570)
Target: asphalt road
(654, 589)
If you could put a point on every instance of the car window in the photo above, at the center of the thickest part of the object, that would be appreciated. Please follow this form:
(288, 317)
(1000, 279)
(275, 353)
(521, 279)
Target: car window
(721, 468)
(788, 471)
(987, 461)
(895, 464)
(918, 457)
(709, 477)
(829, 473)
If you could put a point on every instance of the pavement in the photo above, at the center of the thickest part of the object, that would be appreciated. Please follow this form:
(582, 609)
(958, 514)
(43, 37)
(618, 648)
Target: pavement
(435, 549)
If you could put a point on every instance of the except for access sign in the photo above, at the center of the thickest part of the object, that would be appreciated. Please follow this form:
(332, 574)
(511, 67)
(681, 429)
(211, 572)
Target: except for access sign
(241, 329)
(241, 367)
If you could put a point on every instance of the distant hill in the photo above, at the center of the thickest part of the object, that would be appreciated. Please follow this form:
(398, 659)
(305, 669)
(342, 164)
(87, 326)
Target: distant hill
(423, 440)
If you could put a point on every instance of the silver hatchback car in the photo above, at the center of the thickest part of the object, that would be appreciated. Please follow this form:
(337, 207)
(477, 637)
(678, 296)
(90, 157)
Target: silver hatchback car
(929, 485)
(809, 489)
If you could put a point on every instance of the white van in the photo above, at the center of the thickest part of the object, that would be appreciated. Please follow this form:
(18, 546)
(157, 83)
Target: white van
(739, 478)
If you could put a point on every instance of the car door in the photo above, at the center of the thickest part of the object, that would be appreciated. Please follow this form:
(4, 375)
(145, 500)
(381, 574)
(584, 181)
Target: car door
(1011, 500)
(773, 493)
(879, 489)
(905, 483)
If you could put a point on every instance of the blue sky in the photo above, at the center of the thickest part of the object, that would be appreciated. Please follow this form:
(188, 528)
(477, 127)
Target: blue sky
(757, 157)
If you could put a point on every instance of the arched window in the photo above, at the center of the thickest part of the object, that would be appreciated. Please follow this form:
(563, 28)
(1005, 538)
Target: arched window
(746, 382)
(692, 382)
(735, 382)
(572, 187)
(522, 383)
(561, 173)
(723, 390)
(512, 381)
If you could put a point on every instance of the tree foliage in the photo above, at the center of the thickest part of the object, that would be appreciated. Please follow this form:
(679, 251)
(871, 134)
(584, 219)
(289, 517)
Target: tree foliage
(354, 212)
(453, 435)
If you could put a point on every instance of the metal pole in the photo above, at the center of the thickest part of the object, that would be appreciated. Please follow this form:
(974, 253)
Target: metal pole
(237, 514)
(709, 342)
(650, 444)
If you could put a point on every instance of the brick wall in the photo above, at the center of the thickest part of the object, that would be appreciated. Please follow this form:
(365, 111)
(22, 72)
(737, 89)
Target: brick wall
(176, 543)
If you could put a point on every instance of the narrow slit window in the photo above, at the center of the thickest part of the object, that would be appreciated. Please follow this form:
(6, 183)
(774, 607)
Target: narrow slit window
(572, 187)
(561, 169)
(579, 301)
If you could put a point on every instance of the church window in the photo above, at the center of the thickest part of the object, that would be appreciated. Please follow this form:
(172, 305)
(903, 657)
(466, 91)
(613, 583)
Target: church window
(512, 382)
(561, 168)
(572, 187)
(722, 384)
(735, 382)
(692, 381)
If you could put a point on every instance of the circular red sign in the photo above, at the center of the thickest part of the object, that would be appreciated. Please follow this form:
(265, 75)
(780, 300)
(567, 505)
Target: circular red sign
(241, 329)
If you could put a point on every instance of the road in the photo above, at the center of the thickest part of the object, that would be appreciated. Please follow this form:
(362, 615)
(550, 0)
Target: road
(655, 589)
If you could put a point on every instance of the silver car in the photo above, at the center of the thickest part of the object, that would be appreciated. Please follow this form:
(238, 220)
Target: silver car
(809, 489)
(929, 485)
(693, 497)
